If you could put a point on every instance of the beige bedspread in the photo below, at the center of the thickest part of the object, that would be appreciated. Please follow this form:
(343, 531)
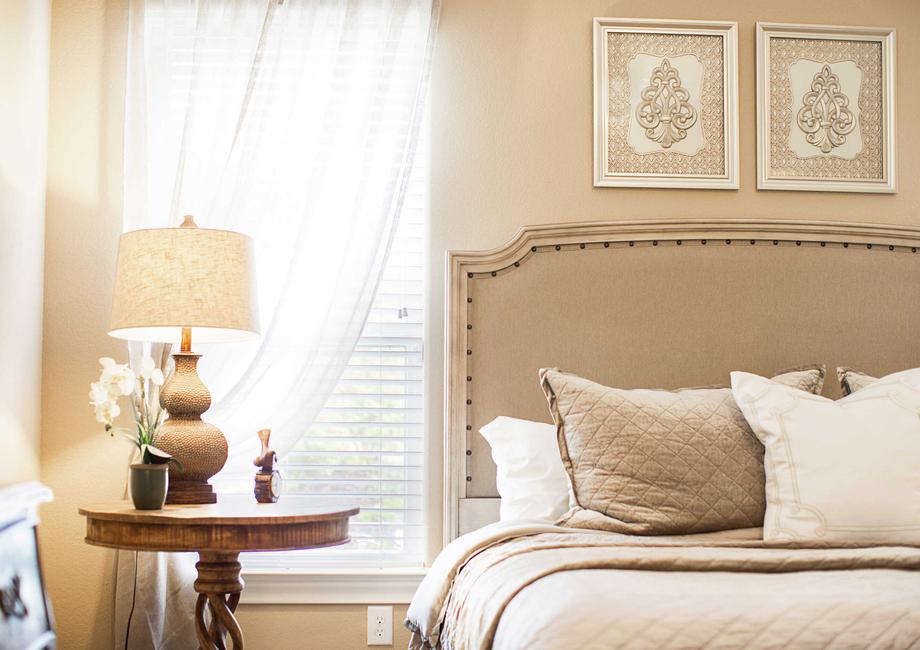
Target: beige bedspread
(536, 586)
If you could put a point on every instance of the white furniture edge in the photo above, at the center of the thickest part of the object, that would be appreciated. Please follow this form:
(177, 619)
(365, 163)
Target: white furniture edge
(334, 587)
(22, 500)
(884, 35)
(462, 513)
(729, 32)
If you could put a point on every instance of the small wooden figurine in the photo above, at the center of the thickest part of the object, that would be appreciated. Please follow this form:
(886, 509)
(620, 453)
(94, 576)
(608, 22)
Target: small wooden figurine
(268, 479)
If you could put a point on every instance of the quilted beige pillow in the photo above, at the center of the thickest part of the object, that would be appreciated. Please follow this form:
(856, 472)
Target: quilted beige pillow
(656, 462)
(853, 380)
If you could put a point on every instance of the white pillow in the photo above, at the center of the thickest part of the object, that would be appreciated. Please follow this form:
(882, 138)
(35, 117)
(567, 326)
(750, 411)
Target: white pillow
(838, 471)
(531, 479)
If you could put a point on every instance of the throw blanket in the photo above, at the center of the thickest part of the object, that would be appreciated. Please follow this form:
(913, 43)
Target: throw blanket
(538, 586)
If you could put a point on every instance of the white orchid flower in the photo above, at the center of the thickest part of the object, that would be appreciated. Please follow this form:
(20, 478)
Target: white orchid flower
(98, 393)
(106, 412)
(118, 380)
(110, 370)
(125, 381)
(150, 372)
(118, 377)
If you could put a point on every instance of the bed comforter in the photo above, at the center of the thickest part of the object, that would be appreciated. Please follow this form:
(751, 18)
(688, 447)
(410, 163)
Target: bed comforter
(536, 586)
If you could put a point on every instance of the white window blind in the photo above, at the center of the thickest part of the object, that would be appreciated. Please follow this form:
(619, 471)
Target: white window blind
(367, 447)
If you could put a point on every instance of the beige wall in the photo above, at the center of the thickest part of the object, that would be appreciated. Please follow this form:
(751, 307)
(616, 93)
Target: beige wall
(315, 627)
(78, 461)
(23, 135)
(511, 145)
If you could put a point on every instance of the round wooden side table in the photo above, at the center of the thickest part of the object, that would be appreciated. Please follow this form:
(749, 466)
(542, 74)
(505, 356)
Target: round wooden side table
(218, 532)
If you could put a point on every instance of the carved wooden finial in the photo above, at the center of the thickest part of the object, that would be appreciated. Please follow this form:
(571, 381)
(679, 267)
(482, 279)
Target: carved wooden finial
(188, 221)
(266, 458)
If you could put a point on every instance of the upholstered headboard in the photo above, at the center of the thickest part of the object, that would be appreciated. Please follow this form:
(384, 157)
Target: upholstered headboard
(662, 304)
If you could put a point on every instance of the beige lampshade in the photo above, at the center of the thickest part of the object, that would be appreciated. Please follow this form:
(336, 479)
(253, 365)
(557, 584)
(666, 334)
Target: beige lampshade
(170, 278)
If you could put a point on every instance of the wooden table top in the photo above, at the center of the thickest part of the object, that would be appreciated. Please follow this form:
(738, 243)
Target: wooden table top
(230, 509)
(235, 523)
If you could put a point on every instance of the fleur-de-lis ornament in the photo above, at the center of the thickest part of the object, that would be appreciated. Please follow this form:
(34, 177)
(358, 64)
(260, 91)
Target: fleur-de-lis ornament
(825, 118)
(665, 112)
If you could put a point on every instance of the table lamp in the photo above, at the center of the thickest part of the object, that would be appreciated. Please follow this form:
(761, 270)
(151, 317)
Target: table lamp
(173, 284)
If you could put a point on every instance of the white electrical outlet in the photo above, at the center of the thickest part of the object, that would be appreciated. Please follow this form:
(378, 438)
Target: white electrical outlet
(380, 625)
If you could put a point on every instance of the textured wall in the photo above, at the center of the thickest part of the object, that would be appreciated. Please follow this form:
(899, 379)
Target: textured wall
(24, 32)
(511, 115)
(313, 627)
(79, 462)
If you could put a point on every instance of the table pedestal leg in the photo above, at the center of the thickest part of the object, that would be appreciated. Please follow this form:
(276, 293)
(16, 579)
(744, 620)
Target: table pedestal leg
(219, 586)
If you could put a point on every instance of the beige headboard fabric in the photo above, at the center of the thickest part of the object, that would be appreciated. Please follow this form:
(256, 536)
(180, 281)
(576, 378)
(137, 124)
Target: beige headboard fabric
(663, 304)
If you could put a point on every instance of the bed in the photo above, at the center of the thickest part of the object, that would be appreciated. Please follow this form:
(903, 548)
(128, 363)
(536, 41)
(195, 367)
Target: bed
(662, 304)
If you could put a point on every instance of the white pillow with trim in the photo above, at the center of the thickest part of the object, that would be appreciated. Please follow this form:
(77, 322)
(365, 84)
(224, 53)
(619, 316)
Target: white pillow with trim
(838, 471)
(531, 479)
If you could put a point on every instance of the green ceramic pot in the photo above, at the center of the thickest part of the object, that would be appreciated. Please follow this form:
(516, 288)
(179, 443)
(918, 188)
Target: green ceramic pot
(148, 486)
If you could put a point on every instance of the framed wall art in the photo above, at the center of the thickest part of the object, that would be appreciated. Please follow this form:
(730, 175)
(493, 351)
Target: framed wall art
(665, 103)
(825, 108)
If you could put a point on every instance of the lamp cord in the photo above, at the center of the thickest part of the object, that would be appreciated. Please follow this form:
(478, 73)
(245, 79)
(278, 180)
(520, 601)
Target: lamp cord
(133, 600)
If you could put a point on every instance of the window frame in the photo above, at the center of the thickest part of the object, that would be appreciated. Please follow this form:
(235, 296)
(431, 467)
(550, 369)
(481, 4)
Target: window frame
(331, 587)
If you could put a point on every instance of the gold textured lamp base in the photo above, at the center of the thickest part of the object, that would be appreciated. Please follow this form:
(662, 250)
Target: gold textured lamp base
(200, 447)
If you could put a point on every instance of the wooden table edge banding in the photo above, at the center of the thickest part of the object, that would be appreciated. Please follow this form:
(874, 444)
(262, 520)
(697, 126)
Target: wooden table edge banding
(218, 533)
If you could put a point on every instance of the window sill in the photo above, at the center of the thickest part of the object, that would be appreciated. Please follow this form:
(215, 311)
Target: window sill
(333, 587)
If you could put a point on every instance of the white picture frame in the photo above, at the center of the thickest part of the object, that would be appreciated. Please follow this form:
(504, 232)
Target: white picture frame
(796, 149)
(658, 153)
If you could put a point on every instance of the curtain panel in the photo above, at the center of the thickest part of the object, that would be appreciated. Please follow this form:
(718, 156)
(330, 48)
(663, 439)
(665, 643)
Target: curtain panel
(295, 122)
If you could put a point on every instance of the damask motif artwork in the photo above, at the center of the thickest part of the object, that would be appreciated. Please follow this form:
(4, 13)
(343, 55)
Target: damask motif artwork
(665, 104)
(825, 116)
(665, 111)
(825, 108)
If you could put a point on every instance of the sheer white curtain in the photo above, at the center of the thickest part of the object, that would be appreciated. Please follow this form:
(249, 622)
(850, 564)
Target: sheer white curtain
(293, 121)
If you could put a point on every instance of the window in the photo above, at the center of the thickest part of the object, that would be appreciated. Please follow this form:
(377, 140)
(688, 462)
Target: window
(325, 64)
(367, 446)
